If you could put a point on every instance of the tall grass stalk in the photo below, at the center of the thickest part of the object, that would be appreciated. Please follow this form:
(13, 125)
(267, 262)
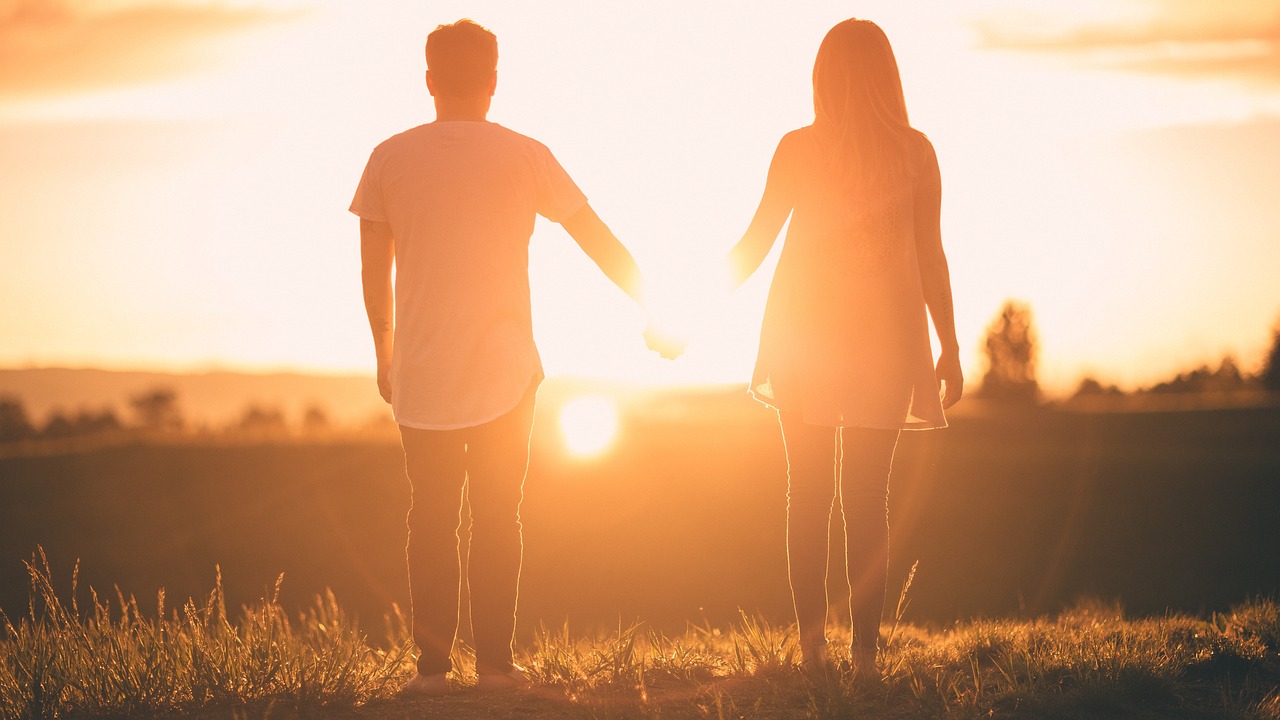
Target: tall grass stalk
(57, 661)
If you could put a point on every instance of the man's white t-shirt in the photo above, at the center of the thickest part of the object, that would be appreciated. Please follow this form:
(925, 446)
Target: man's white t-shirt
(461, 199)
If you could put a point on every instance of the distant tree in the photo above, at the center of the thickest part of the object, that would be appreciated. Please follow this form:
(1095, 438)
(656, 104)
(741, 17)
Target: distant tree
(1185, 382)
(1011, 356)
(157, 409)
(1091, 387)
(1226, 378)
(58, 425)
(83, 424)
(1271, 370)
(315, 420)
(89, 422)
(14, 424)
(263, 421)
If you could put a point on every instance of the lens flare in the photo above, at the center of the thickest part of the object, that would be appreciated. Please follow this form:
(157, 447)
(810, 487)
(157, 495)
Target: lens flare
(588, 424)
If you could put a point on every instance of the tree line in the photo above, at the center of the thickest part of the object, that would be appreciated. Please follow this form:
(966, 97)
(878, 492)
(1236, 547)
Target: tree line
(153, 412)
(1011, 350)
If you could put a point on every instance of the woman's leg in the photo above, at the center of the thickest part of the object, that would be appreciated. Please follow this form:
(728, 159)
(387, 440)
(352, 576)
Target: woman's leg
(867, 457)
(811, 485)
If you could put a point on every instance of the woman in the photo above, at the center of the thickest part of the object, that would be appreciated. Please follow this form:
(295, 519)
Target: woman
(844, 355)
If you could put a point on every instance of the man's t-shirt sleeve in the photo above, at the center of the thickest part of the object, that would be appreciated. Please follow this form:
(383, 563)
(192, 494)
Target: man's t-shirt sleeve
(368, 202)
(558, 198)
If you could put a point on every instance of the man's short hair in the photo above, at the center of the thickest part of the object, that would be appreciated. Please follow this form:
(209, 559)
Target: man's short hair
(462, 57)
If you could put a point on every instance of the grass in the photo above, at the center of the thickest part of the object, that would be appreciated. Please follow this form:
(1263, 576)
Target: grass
(113, 660)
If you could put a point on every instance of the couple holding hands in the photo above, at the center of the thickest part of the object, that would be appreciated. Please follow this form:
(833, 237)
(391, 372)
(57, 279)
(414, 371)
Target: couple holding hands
(845, 355)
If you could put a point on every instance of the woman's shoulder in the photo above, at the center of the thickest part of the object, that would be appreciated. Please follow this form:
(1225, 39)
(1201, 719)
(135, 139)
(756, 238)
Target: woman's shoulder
(798, 138)
(923, 162)
(919, 145)
(924, 149)
(797, 146)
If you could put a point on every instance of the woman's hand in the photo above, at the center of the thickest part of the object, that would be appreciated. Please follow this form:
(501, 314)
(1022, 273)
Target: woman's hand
(950, 378)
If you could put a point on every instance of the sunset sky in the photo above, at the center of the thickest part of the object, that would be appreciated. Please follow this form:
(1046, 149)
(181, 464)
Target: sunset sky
(175, 175)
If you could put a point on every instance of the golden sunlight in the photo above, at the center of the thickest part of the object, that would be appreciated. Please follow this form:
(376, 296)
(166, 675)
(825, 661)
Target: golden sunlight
(588, 423)
(128, 127)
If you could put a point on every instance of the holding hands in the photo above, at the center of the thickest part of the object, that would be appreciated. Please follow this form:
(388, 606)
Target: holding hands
(683, 306)
(667, 344)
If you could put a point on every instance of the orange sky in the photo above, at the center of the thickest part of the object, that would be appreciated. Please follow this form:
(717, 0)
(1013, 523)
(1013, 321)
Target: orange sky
(174, 175)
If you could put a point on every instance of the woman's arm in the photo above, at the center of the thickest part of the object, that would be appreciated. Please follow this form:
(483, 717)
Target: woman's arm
(935, 277)
(775, 205)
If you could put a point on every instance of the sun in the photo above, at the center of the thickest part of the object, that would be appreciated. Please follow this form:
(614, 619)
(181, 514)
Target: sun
(588, 423)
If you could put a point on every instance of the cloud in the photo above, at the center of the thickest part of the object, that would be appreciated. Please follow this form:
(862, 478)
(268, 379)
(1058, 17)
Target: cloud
(60, 47)
(1228, 38)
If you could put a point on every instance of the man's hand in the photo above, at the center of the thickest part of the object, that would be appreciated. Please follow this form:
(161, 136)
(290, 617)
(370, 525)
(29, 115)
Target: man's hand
(384, 380)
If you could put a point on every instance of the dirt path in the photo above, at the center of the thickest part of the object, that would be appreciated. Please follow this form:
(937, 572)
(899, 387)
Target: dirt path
(753, 697)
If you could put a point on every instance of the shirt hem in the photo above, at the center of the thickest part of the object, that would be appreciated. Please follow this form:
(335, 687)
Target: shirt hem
(533, 385)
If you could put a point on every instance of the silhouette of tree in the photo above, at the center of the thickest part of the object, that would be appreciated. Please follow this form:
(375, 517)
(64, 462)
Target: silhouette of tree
(1091, 387)
(263, 421)
(92, 423)
(84, 423)
(58, 425)
(1186, 382)
(14, 424)
(1271, 371)
(315, 420)
(157, 409)
(1226, 378)
(1011, 356)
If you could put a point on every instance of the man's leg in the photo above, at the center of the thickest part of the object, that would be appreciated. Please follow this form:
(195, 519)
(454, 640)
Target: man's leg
(497, 459)
(811, 490)
(434, 462)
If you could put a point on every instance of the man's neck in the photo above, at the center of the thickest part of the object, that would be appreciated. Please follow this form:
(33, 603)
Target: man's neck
(472, 107)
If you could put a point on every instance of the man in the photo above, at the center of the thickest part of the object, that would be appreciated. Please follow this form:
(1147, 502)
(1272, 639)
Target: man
(451, 204)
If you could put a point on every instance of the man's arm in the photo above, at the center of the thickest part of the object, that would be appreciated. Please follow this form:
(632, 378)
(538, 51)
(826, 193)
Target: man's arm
(377, 256)
(599, 243)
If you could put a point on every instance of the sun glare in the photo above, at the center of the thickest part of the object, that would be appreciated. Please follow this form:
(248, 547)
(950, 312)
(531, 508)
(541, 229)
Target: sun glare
(588, 424)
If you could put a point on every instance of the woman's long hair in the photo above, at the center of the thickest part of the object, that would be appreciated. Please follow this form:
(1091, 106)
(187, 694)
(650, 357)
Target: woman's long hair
(859, 113)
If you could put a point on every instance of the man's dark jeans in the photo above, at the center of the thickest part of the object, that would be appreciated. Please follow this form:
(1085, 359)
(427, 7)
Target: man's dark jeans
(490, 462)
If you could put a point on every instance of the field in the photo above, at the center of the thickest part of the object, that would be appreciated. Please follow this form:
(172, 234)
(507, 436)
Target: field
(203, 662)
(1011, 517)
(683, 518)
